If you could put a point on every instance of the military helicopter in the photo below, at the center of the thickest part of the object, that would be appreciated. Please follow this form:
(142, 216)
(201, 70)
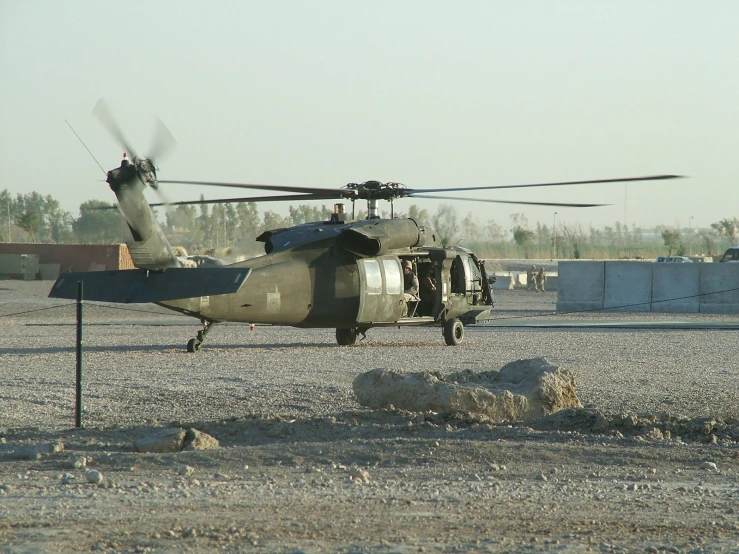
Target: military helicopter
(341, 273)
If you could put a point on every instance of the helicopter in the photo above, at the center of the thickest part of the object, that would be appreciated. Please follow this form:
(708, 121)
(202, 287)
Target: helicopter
(342, 273)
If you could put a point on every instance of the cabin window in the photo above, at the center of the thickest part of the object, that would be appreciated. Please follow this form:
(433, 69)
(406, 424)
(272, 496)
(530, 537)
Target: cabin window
(374, 277)
(393, 279)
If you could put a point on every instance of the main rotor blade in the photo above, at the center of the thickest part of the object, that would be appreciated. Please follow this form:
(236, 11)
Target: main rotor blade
(328, 193)
(560, 204)
(412, 192)
(162, 143)
(292, 197)
(102, 112)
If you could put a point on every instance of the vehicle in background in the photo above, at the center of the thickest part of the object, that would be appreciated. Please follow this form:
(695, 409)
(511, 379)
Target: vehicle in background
(675, 259)
(731, 255)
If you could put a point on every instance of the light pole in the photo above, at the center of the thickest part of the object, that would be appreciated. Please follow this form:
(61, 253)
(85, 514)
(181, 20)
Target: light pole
(554, 237)
(690, 236)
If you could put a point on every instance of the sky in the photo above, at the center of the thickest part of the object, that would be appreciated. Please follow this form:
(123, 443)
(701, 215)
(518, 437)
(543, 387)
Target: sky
(427, 93)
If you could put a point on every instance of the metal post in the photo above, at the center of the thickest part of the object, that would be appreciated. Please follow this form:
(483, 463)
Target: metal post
(78, 400)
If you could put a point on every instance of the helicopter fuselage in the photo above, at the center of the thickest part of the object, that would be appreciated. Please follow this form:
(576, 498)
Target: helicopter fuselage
(322, 284)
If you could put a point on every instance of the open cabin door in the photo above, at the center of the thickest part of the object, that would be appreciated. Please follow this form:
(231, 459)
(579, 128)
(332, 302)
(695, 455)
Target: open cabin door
(380, 290)
(466, 279)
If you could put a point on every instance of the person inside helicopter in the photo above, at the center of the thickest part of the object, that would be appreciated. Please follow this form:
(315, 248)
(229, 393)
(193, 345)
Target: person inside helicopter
(410, 281)
(427, 289)
(410, 288)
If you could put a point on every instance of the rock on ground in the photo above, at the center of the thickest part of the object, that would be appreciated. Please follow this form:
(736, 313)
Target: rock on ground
(520, 390)
(168, 439)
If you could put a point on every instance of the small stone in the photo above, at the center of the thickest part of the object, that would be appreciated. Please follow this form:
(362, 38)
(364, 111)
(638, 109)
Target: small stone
(359, 474)
(185, 470)
(94, 476)
(78, 463)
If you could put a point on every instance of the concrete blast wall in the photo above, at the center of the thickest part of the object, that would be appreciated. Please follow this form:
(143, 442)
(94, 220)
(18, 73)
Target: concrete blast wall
(676, 288)
(581, 286)
(628, 286)
(720, 289)
(648, 287)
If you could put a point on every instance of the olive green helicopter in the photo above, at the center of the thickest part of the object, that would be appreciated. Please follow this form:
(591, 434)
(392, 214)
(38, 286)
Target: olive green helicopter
(341, 273)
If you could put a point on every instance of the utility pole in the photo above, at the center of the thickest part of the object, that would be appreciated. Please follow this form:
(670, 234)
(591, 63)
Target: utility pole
(554, 237)
(690, 236)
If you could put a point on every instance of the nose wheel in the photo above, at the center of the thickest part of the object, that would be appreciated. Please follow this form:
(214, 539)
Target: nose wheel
(193, 345)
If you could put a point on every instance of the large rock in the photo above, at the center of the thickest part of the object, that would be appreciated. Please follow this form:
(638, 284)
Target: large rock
(168, 439)
(197, 440)
(520, 390)
(37, 451)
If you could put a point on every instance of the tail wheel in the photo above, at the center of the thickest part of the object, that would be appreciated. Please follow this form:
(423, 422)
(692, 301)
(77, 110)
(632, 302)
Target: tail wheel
(453, 332)
(346, 337)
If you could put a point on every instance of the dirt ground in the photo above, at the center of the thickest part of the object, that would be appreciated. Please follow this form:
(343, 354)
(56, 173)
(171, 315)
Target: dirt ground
(301, 467)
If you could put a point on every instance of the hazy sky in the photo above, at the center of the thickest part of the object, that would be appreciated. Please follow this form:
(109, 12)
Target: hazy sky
(427, 93)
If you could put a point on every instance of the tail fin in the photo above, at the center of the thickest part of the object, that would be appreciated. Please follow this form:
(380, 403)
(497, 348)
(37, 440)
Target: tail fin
(150, 249)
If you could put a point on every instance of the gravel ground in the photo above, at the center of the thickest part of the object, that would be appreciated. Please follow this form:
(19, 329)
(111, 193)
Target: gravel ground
(650, 464)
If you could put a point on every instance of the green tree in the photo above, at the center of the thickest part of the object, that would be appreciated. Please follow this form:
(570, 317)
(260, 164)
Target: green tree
(671, 239)
(273, 220)
(570, 241)
(100, 222)
(421, 216)
(728, 228)
(523, 237)
(248, 215)
(303, 213)
(472, 232)
(445, 224)
(30, 222)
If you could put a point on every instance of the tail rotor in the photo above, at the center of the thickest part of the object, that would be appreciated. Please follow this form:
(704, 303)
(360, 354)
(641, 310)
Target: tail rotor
(146, 169)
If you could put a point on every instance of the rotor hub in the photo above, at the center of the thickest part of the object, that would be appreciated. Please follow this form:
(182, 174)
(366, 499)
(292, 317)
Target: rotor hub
(375, 190)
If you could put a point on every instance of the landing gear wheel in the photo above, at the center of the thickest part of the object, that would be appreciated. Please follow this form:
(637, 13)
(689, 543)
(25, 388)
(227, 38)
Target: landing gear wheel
(453, 332)
(193, 345)
(346, 337)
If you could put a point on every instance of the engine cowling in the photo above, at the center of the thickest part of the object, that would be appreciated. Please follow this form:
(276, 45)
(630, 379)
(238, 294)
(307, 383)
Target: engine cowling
(378, 238)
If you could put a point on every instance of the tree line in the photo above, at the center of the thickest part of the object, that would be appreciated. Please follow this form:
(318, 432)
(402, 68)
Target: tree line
(33, 217)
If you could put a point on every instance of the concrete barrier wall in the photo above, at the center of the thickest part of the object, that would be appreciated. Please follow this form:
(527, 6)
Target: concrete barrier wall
(581, 286)
(676, 288)
(503, 282)
(628, 286)
(719, 288)
(648, 287)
